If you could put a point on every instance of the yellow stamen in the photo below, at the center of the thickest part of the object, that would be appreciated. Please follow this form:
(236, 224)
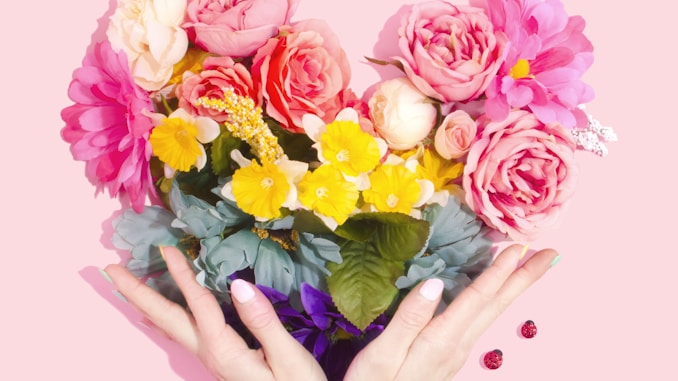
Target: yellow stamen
(521, 69)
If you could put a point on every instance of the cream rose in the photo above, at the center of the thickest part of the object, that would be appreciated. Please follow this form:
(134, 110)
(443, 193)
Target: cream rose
(454, 136)
(149, 33)
(401, 114)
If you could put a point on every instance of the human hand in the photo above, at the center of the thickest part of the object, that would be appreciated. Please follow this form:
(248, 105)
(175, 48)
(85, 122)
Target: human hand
(415, 346)
(204, 332)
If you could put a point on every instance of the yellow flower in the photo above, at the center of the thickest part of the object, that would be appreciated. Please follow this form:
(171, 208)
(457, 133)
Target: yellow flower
(192, 62)
(325, 191)
(348, 148)
(260, 190)
(439, 171)
(393, 188)
(176, 139)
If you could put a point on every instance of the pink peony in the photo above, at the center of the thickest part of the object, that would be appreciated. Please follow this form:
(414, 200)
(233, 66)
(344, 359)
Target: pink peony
(451, 53)
(520, 174)
(217, 73)
(106, 126)
(236, 28)
(455, 134)
(547, 57)
(303, 71)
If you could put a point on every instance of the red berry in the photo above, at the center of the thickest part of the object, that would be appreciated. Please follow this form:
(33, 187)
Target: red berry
(528, 330)
(493, 359)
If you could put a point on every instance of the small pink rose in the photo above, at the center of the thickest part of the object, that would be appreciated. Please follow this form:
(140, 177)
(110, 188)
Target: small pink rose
(217, 73)
(302, 71)
(520, 174)
(236, 28)
(455, 134)
(451, 53)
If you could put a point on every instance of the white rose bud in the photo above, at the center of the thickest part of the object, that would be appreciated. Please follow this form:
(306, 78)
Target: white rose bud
(401, 114)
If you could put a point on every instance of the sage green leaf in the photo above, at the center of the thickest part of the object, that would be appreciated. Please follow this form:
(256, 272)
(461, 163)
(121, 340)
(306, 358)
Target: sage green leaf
(363, 285)
(274, 267)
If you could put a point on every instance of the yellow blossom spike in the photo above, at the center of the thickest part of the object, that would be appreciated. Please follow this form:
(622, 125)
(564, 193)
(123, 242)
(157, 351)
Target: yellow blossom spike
(521, 69)
(260, 190)
(393, 188)
(247, 123)
(349, 148)
(325, 191)
(174, 142)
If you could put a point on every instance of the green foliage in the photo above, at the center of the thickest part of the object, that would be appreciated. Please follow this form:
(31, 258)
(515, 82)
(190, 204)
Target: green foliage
(222, 164)
(363, 285)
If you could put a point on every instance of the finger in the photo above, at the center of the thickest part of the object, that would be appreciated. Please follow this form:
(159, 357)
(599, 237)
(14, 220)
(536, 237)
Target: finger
(440, 344)
(287, 358)
(465, 308)
(202, 303)
(382, 358)
(169, 317)
(519, 281)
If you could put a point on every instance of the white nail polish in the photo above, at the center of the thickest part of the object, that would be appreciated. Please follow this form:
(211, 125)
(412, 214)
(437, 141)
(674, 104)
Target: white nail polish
(242, 291)
(431, 289)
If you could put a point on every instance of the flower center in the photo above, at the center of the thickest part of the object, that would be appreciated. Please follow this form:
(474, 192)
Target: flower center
(266, 183)
(521, 69)
(321, 192)
(343, 156)
(392, 200)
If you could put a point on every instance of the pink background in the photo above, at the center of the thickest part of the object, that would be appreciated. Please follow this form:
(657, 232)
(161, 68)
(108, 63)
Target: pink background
(607, 311)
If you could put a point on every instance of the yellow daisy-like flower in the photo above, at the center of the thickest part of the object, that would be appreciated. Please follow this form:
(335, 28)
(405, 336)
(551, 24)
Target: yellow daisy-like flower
(393, 188)
(348, 148)
(260, 190)
(176, 139)
(439, 170)
(325, 191)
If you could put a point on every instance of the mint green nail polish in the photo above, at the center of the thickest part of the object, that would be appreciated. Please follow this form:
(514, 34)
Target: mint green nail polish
(555, 261)
(120, 296)
(105, 275)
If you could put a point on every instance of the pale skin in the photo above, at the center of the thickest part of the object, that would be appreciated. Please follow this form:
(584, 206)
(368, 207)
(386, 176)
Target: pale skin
(416, 345)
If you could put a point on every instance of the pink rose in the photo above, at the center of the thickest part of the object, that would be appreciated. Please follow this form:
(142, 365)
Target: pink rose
(454, 135)
(520, 174)
(217, 73)
(303, 71)
(236, 28)
(451, 53)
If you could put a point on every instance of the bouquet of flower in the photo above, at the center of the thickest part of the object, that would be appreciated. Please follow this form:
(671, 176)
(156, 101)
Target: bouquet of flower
(233, 134)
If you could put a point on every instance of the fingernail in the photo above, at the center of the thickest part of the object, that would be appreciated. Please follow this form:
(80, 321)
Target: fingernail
(106, 276)
(120, 296)
(242, 291)
(522, 253)
(431, 289)
(555, 261)
(162, 252)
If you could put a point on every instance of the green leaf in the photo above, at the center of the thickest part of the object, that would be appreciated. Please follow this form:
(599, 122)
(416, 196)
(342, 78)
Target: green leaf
(307, 222)
(222, 164)
(363, 285)
(396, 236)
(296, 146)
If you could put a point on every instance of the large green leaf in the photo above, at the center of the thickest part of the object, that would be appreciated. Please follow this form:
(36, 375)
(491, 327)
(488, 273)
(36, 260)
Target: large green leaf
(396, 236)
(222, 164)
(363, 285)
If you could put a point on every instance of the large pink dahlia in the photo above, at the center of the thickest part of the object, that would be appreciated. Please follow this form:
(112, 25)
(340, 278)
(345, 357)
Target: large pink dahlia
(106, 127)
(547, 56)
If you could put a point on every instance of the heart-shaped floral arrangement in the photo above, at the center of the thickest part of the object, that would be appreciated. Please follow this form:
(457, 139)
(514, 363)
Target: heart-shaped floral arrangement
(233, 134)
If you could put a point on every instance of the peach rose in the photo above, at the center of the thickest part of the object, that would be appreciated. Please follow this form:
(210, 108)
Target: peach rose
(401, 114)
(236, 28)
(455, 134)
(149, 32)
(451, 53)
(302, 71)
(520, 174)
(217, 73)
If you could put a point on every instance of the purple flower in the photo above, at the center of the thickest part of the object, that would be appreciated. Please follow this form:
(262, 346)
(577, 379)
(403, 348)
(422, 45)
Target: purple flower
(106, 127)
(321, 329)
(547, 56)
